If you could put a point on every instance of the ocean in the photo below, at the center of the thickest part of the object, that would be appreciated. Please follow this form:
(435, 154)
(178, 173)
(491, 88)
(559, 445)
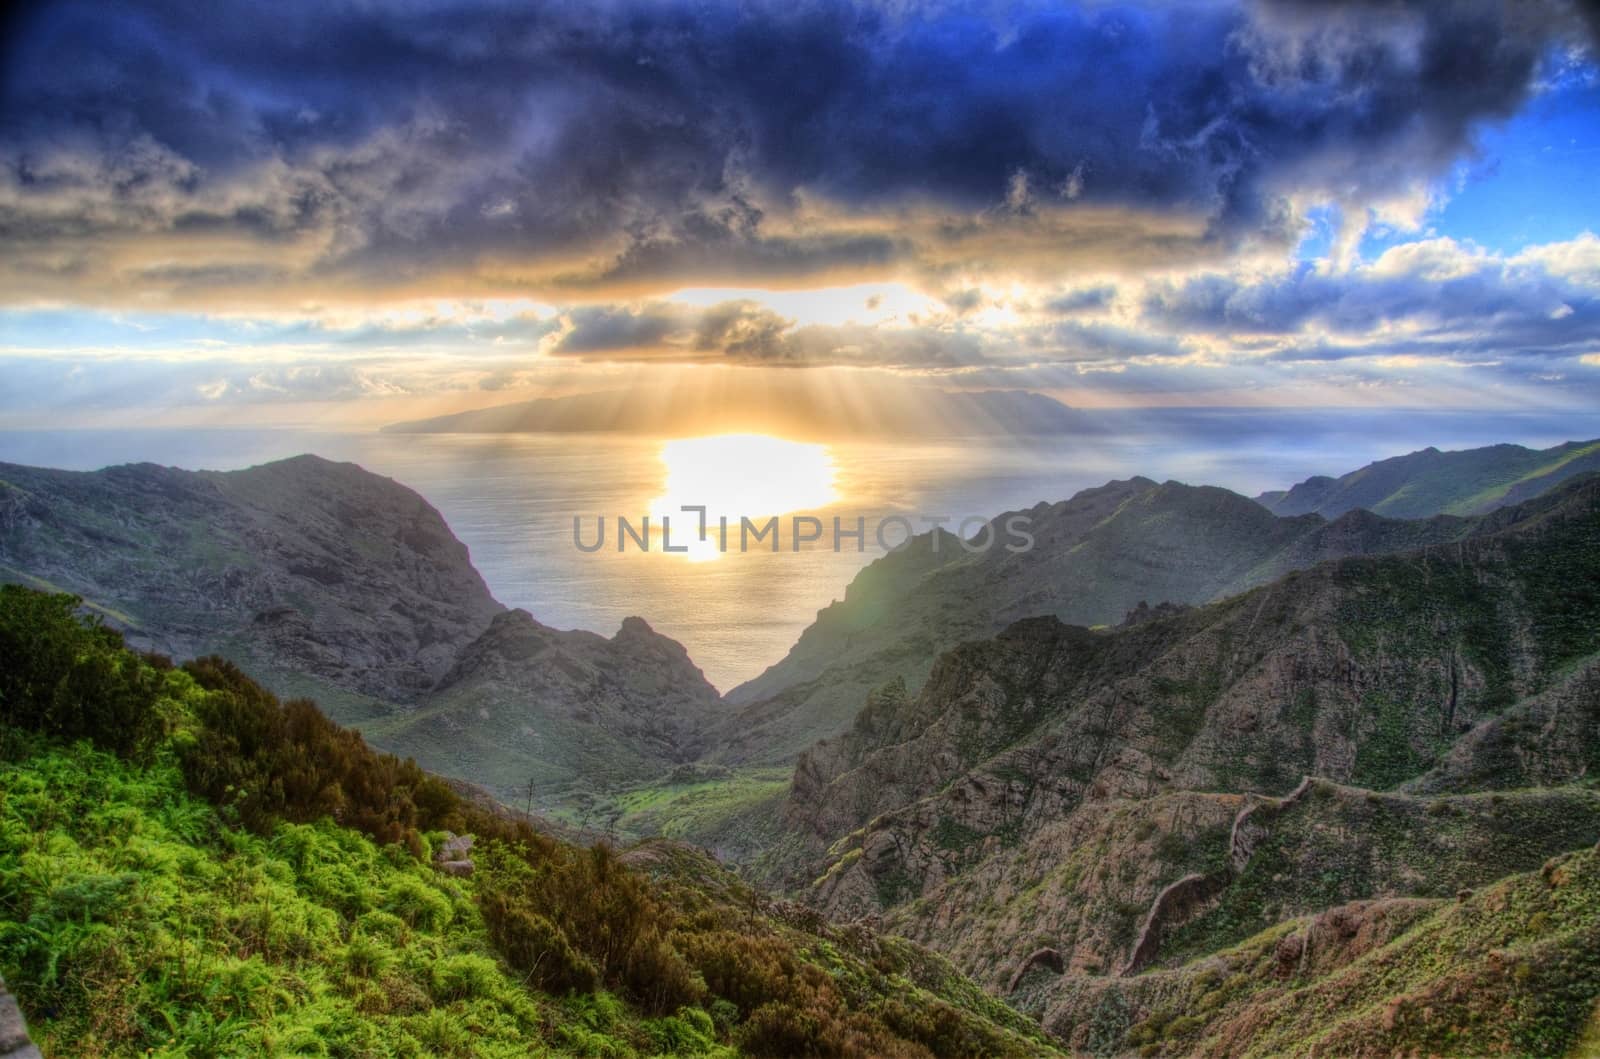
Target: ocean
(513, 498)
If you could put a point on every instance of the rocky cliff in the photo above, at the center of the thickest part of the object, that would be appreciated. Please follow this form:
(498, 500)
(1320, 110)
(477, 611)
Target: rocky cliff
(303, 566)
(14, 1040)
(531, 710)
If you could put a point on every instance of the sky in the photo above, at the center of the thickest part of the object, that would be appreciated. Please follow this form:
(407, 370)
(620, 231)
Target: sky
(331, 212)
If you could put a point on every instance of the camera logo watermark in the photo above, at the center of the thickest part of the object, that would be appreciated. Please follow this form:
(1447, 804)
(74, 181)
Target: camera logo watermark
(975, 534)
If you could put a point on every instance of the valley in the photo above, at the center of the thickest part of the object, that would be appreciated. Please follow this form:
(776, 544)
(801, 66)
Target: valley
(1130, 766)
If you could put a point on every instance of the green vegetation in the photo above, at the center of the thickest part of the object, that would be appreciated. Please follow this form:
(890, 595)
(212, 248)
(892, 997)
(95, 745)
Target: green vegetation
(1539, 471)
(71, 680)
(136, 920)
(722, 809)
(1340, 845)
(1511, 970)
(190, 867)
(570, 756)
(1430, 482)
(1489, 653)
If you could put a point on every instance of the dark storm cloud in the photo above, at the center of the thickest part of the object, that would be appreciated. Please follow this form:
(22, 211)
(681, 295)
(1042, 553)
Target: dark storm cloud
(545, 146)
(609, 329)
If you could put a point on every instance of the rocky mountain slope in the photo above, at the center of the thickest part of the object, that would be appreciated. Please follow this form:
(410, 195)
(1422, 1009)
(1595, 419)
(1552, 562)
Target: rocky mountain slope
(530, 710)
(1430, 482)
(335, 582)
(1173, 835)
(1507, 970)
(1123, 798)
(304, 566)
(1096, 557)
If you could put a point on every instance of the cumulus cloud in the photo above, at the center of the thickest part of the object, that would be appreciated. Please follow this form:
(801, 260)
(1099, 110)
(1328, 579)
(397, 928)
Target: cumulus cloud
(471, 147)
(462, 196)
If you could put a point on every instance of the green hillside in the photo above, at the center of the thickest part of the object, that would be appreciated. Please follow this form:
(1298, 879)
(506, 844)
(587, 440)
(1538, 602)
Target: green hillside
(189, 867)
(1429, 482)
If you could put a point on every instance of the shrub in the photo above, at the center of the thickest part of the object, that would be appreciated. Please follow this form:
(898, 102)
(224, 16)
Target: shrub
(70, 677)
(780, 1029)
(416, 904)
(367, 957)
(687, 1033)
(465, 977)
(537, 947)
(724, 1014)
(740, 969)
(269, 761)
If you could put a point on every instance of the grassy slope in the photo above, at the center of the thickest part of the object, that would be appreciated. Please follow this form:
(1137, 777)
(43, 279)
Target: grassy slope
(468, 734)
(140, 919)
(728, 811)
(139, 923)
(1513, 969)
(1465, 482)
(136, 920)
(1554, 467)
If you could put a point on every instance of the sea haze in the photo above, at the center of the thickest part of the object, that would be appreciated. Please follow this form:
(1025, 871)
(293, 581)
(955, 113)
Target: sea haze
(512, 498)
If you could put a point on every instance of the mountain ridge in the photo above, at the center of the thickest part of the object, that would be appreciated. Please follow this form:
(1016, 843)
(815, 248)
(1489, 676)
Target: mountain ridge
(320, 567)
(1097, 556)
(1431, 482)
(335, 582)
(1084, 819)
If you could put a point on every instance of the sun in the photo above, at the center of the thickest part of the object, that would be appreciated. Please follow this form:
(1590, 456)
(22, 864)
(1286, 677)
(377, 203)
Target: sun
(739, 475)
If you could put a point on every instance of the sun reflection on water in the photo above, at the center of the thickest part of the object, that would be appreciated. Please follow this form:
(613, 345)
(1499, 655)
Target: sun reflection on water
(753, 476)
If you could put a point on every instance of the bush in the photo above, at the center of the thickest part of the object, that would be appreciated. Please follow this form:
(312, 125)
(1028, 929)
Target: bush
(271, 761)
(689, 1032)
(465, 977)
(747, 971)
(416, 904)
(367, 957)
(70, 677)
(537, 947)
(781, 1029)
(612, 932)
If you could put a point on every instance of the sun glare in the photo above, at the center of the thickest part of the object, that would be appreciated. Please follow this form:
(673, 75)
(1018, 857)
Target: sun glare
(739, 475)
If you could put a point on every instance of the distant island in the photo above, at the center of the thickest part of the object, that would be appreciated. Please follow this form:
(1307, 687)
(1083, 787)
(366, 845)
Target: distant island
(797, 411)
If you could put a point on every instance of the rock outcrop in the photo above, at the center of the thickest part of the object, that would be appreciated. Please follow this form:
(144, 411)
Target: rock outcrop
(1174, 906)
(329, 581)
(14, 1040)
(454, 855)
(530, 711)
